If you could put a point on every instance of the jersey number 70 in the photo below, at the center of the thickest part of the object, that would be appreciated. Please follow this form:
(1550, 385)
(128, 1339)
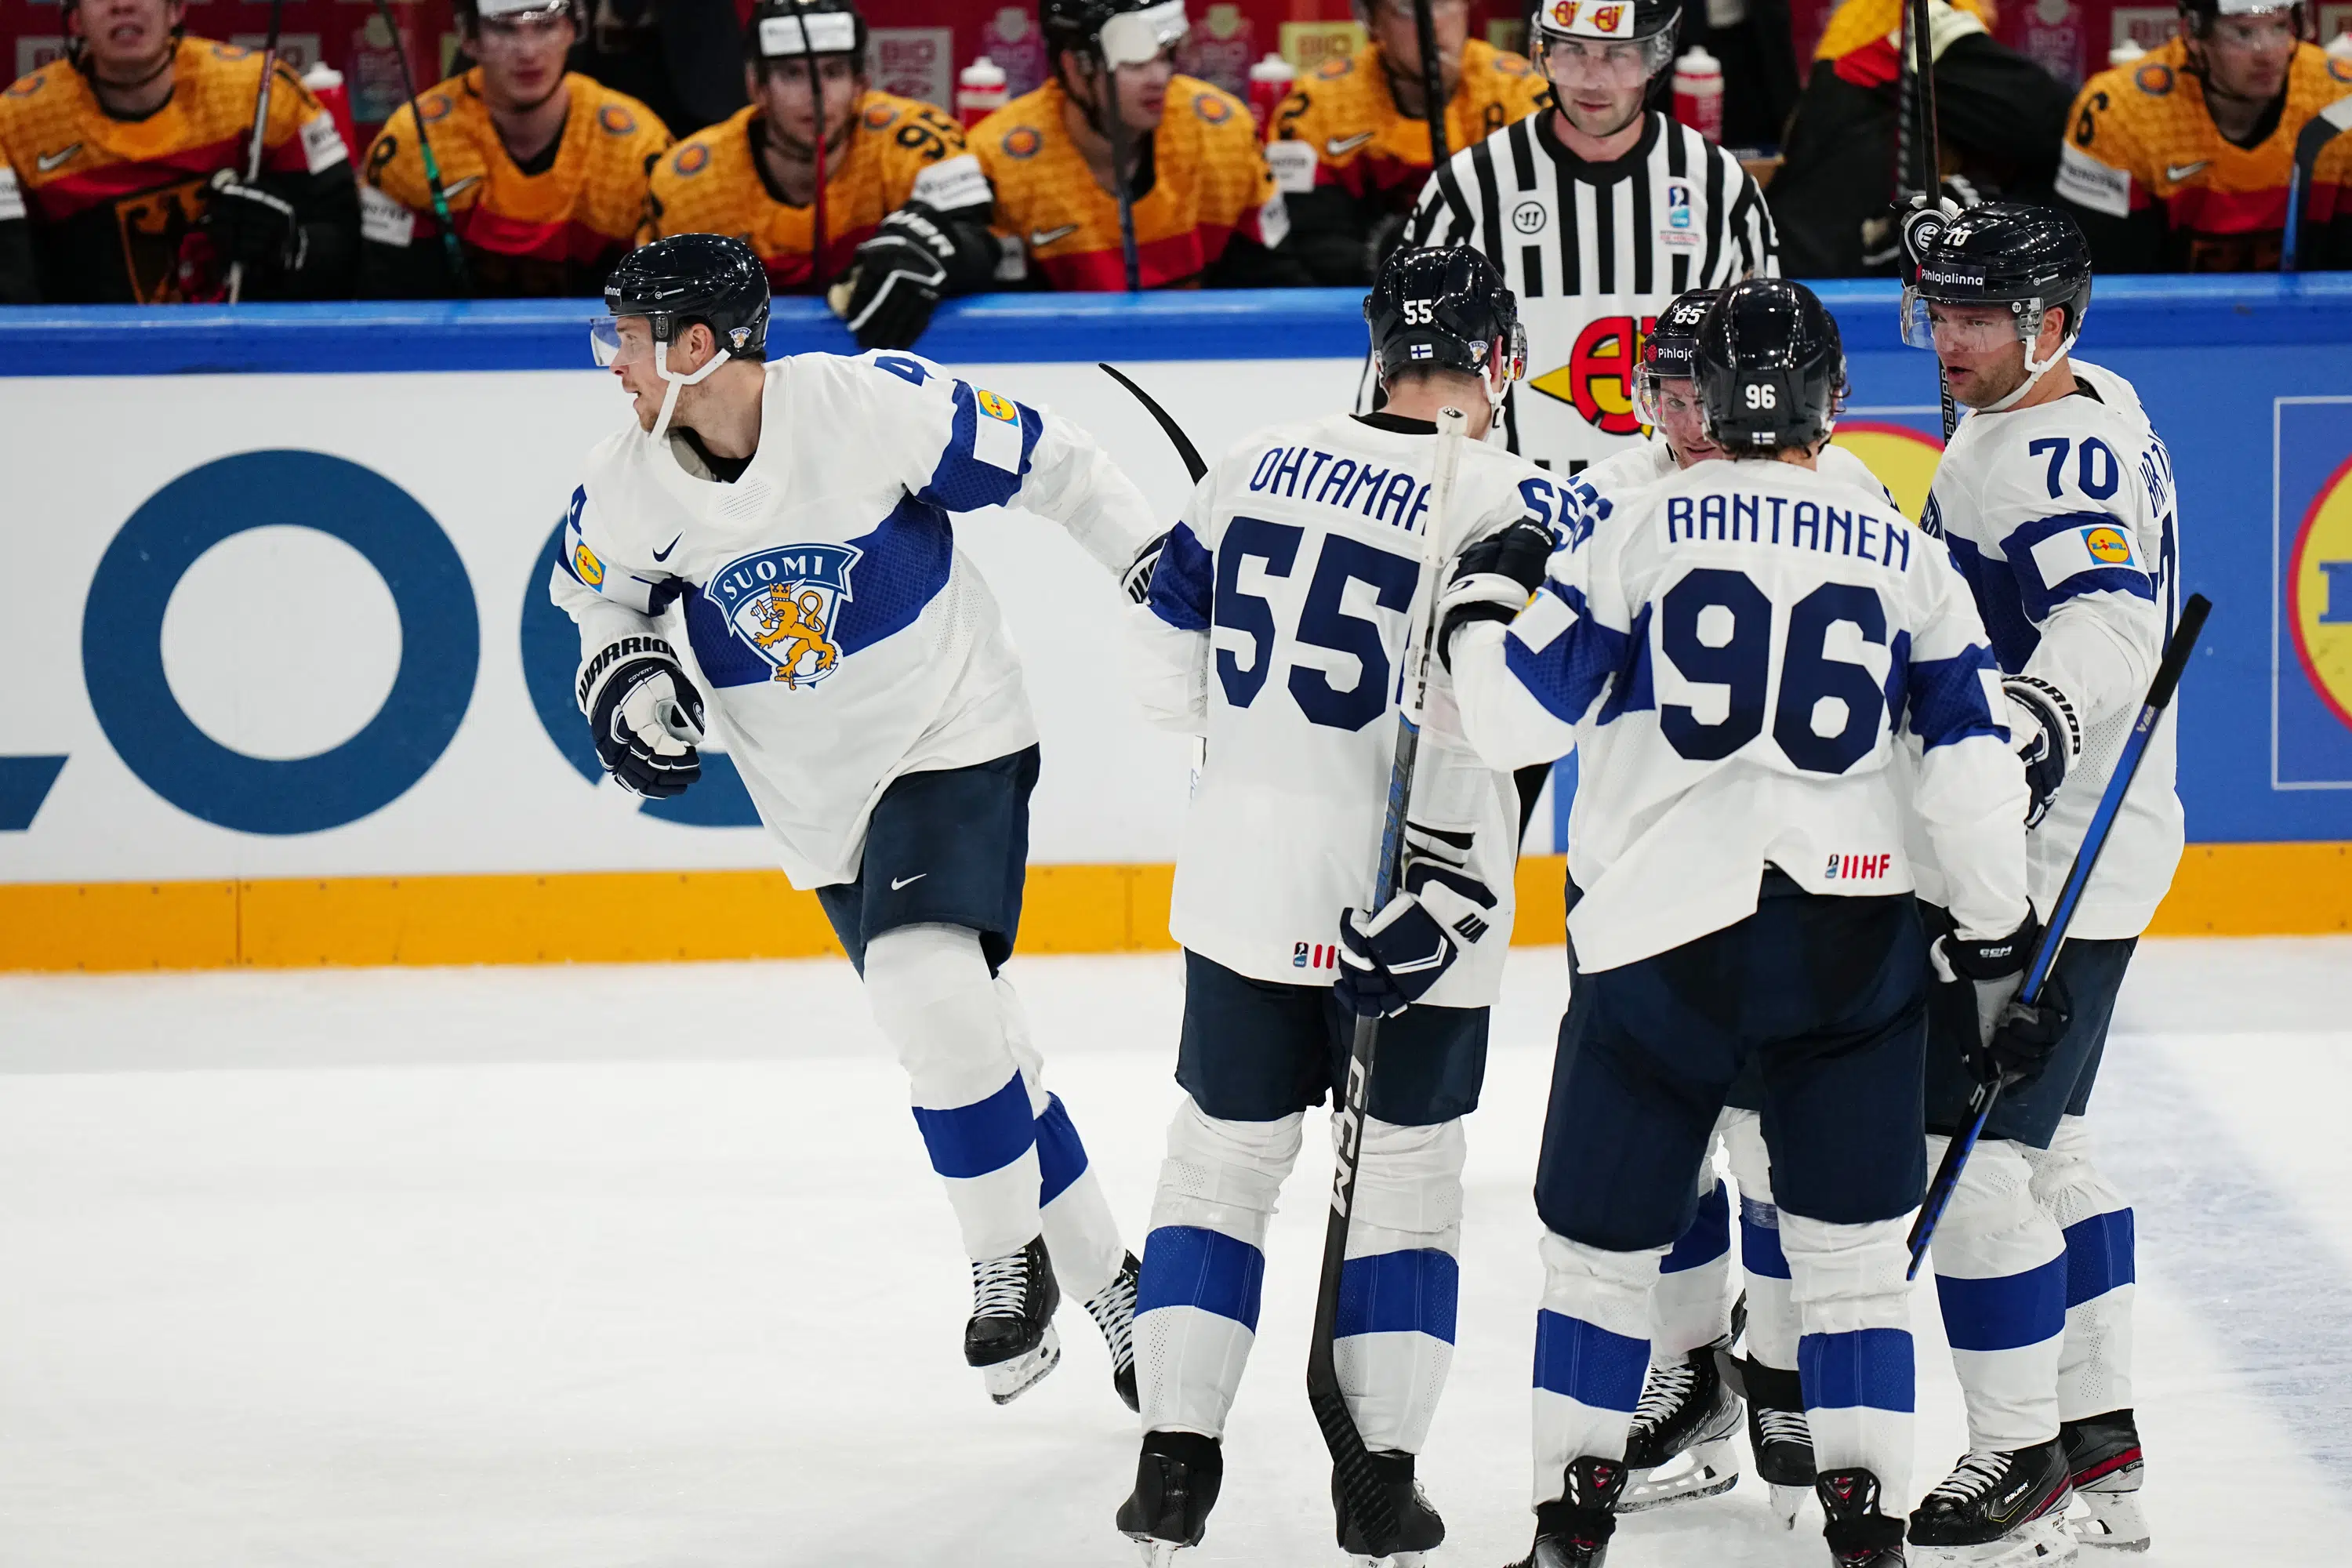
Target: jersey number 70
(1741, 664)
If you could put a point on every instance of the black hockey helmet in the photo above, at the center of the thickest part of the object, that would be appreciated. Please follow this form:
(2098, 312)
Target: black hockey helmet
(1599, 23)
(1667, 351)
(713, 278)
(799, 30)
(1769, 367)
(1444, 310)
(1115, 32)
(2030, 259)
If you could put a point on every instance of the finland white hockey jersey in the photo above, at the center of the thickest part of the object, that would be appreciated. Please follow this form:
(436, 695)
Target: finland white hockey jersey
(1615, 479)
(841, 635)
(1737, 655)
(2062, 518)
(1277, 628)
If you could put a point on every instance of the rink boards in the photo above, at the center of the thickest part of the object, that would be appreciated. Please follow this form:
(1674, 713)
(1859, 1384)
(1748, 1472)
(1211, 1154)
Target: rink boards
(290, 690)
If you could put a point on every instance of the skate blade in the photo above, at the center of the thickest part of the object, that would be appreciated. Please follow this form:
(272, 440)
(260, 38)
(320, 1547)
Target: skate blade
(2045, 1543)
(2110, 1521)
(1400, 1560)
(1703, 1470)
(1007, 1381)
(1157, 1553)
(1788, 1502)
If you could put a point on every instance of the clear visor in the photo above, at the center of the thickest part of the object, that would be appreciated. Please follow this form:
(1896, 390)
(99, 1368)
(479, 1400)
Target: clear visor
(1139, 37)
(605, 341)
(1623, 62)
(1515, 355)
(1934, 325)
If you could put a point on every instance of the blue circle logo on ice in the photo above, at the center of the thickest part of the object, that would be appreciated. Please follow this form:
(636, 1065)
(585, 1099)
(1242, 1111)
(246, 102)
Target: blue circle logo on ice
(122, 642)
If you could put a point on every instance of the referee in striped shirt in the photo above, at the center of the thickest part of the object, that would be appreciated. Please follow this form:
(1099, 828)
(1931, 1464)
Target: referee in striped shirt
(1597, 213)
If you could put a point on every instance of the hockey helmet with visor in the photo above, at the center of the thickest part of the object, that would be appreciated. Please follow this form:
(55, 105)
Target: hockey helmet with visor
(1117, 32)
(715, 280)
(1667, 351)
(1447, 309)
(2031, 259)
(1629, 40)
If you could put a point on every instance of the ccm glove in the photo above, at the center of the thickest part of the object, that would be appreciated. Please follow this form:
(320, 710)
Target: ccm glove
(646, 716)
(1136, 581)
(1389, 959)
(1492, 580)
(2046, 735)
(899, 276)
(254, 226)
(2014, 1042)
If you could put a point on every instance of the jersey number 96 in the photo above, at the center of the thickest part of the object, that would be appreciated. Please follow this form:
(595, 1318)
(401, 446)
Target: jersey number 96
(1741, 664)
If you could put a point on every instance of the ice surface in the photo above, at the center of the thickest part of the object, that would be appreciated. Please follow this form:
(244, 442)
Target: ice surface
(644, 1266)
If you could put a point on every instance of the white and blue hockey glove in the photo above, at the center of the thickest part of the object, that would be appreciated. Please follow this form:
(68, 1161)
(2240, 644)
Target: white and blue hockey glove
(1492, 580)
(2013, 1042)
(646, 716)
(1136, 582)
(2046, 736)
(1389, 960)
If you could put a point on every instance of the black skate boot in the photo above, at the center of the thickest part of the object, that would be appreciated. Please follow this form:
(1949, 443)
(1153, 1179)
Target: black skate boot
(1860, 1536)
(1011, 1335)
(1998, 1511)
(1777, 1433)
(2103, 1453)
(1680, 1445)
(1113, 1309)
(1574, 1531)
(1176, 1481)
(1419, 1530)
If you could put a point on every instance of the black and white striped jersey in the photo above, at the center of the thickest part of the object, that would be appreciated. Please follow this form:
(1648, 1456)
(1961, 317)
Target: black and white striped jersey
(1594, 251)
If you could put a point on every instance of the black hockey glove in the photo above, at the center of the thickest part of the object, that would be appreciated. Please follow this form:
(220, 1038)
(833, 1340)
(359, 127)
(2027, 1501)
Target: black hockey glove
(1136, 582)
(1389, 959)
(646, 716)
(1494, 578)
(1905, 234)
(2013, 1042)
(899, 276)
(254, 226)
(2046, 736)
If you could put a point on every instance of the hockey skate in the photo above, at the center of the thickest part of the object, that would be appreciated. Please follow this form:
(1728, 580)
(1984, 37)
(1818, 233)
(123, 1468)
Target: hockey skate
(1011, 1335)
(1779, 1436)
(1113, 1309)
(2103, 1453)
(1176, 1481)
(1419, 1530)
(1859, 1535)
(1681, 1445)
(1573, 1532)
(1999, 1510)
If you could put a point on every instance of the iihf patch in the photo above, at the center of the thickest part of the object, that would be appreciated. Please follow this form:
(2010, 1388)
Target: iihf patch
(783, 603)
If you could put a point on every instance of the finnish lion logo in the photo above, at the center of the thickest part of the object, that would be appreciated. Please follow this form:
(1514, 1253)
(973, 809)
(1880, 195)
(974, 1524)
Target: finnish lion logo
(785, 605)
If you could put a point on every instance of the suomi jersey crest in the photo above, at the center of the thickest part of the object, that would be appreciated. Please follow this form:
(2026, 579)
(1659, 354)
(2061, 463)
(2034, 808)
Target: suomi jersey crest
(783, 603)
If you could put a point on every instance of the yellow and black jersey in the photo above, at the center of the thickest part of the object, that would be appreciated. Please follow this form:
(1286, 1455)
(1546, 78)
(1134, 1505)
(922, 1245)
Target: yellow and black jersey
(901, 151)
(96, 209)
(554, 226)
(1347, 158)
(1204, 186)
(2157, 186)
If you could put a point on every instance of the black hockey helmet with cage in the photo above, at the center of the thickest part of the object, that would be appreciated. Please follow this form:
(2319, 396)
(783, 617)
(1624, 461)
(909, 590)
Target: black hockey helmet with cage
(1115, 32)
(2030, 259)
(1589, 23)
(713, 278)
(1769, 367)
(1445, 309)
(797, 29)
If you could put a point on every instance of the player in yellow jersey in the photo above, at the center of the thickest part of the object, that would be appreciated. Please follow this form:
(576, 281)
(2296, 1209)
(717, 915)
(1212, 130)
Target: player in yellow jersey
(1117, 127)
(1350, 144)
(123, 172)
(2180, 161)
(543, 170)
(886, 211)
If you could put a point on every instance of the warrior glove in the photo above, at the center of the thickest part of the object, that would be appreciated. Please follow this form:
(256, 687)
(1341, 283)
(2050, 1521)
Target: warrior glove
(646, 716)
(2046, 736)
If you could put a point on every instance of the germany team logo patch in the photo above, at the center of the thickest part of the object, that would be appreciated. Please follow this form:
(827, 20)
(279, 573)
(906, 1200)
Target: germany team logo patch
(1022, 141)
(616, 121)
(692, 159)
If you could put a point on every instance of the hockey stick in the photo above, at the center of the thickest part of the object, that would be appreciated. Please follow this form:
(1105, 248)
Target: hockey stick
(1184, 443)
(816, 213)
(1115, 125)
(2318, 132)
(1920, 76)
(450, 243)
(1433, 101)
(1351, 1464)
(253, 147)
(2054, 935)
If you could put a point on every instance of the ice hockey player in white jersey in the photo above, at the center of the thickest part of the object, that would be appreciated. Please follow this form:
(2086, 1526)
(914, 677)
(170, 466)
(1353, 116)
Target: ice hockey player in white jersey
(1738, 660)
(2057, 501)
(1277, 628)
(1681, 1446)
(792, 519)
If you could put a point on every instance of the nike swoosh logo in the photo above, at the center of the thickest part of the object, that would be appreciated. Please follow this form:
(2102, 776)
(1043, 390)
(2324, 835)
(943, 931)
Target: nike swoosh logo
(662, 554)
(2176, 173)
(1039, 239)
(52, 161)
(898, 882)
(450, 192)
(1340, 146)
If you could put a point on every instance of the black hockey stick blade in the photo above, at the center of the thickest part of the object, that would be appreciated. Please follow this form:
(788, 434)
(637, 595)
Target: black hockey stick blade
(1184, 443)
(2318, 132)
(2169, 671)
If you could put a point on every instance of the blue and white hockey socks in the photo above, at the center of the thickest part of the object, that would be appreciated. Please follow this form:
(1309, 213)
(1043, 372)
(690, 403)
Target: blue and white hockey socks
(1203, 1265)
(2000, 1279)
(1394, 1343)
(1854, 1306)
(1080, 1234)
(1771, 1303)
(2095, 1367)
(1690, 1305)
(1592, 1348)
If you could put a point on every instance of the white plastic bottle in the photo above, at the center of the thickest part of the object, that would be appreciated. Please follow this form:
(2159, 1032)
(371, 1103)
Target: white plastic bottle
(1269, 84)
(1698, 93)
(980, 91)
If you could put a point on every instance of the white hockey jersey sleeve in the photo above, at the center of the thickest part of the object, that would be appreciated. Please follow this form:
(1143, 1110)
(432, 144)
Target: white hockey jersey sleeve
(607, 596)
(1168, 645)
